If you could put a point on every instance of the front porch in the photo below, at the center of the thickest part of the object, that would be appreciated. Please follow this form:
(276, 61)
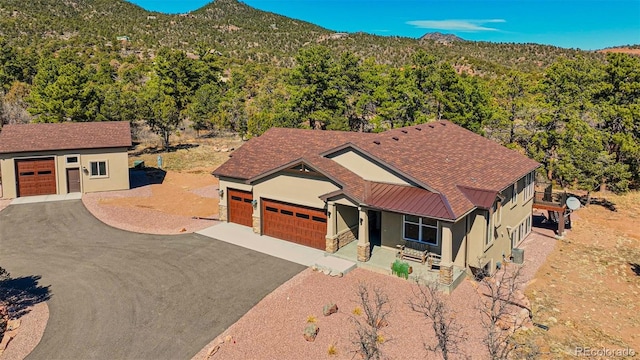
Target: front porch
(382, 257)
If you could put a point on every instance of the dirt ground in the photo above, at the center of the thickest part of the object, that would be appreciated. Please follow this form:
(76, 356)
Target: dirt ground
(182, 197)
(179, 194)
(588, 289)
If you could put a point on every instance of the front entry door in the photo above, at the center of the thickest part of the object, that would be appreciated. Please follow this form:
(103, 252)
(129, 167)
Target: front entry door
(73, 180)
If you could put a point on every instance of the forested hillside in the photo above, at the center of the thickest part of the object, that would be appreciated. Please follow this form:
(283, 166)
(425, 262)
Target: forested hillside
(229, 66)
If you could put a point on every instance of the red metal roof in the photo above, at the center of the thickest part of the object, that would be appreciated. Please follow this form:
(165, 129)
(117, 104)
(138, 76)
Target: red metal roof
(407, 200)
(483, 199)
(64, 136)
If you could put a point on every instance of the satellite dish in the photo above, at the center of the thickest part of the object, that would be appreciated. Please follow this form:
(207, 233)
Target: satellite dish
(573, 203)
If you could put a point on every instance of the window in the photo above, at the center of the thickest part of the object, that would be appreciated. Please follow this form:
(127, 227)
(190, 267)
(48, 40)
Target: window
(72, 159)
(521, 231)
(420, 229)
(528, 186)
(302, 216)
(271, 209)
(488, 238)
(513, 199)
(318, 219)
(497, 213)
(98, 168)
(286, 212)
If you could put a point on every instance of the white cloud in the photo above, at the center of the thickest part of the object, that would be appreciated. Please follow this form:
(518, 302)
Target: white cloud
(457, 25)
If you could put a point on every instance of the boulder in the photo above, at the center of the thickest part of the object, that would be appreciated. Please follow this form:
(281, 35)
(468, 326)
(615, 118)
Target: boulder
(329, 309)
(310, 332)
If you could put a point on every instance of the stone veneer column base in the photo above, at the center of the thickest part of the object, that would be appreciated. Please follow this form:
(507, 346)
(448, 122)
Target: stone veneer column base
(256, 225)
(331, 244)
(364, 252)
(446, 274)
(222, 212)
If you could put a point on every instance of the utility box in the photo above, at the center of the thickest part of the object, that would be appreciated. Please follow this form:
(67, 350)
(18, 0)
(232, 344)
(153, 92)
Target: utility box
(518, 255)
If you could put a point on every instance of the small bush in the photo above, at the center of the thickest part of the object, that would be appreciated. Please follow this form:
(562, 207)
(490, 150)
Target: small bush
(332, 350)
(311, 319)
(357, 311)
(400, 268)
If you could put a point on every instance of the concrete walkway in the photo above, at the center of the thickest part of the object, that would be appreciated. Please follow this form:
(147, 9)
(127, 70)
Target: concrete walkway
(45, 198)
(245, 237)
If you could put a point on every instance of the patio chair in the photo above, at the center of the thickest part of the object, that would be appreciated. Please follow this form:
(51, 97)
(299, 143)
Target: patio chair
(434, 259)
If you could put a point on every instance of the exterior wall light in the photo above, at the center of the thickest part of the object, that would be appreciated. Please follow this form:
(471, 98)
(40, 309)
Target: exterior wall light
(221, 193)
(254, 202)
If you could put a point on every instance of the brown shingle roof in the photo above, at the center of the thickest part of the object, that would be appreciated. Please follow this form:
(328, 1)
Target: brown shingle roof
(442, 157)
(64, 136)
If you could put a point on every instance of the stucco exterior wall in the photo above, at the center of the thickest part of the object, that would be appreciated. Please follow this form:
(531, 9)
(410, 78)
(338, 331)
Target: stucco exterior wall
(366, 168)
(347, 217)
(293, 188)
(117, 169)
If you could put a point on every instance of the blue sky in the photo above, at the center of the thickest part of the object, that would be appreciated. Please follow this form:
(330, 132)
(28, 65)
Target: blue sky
(586, 24)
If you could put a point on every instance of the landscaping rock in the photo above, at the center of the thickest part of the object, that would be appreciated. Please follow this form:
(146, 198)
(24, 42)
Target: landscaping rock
(380, 323)
(13, 324)
(310, 332)
(330, 309)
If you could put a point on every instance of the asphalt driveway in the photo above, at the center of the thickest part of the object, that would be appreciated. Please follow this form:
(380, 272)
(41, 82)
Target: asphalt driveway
(120, 295)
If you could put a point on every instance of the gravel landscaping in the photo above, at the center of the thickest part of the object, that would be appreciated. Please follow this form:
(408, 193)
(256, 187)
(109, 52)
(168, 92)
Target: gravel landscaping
(273, 329)
(32, 326)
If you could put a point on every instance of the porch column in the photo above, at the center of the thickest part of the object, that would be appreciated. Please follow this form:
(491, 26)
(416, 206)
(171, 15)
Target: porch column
(446, 264)
(331, 238)
(364, 247)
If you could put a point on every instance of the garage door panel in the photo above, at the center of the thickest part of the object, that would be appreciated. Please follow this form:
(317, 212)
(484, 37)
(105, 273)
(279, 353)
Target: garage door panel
(36, 177)
(240, 207)
(302, 225)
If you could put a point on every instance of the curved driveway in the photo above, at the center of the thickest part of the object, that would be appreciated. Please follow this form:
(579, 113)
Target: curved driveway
(121, 295)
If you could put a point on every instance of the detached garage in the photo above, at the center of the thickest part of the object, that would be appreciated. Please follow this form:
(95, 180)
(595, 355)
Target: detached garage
(46, 159)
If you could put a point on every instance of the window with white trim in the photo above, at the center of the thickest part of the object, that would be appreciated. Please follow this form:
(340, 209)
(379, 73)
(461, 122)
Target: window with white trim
(521, 231)
(497, 213)
(98, 168)
(527, 193)
(513, 199)
(72, 159)
(488, 236)
(420, 229)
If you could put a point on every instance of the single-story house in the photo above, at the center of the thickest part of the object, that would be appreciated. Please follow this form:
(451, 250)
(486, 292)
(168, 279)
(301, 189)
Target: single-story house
(62, 158)
(438, 185)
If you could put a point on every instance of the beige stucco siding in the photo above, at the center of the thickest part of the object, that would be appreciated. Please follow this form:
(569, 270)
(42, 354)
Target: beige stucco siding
(459, 243)
(225, 183)
(295, 189)
(117, 177)
(512, 214)
(347, 217)
(366, 168)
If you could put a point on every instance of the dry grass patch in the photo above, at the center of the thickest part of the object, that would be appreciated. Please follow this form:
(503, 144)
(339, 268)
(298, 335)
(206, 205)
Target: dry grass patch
(588, 290)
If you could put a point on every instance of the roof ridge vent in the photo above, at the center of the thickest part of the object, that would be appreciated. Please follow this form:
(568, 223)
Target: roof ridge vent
(418, 128)
(403, 131)
(395, 138)
(376, 142)
(431, 126)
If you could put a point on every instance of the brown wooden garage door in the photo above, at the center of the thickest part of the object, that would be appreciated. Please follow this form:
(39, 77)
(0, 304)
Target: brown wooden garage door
(298, 224)
(36, 177)
(240, 207)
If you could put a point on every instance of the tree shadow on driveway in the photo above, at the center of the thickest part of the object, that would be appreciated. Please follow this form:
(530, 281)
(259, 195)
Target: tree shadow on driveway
(21, 293)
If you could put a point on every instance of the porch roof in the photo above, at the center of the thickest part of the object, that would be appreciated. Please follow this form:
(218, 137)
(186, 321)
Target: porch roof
(407, 200)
